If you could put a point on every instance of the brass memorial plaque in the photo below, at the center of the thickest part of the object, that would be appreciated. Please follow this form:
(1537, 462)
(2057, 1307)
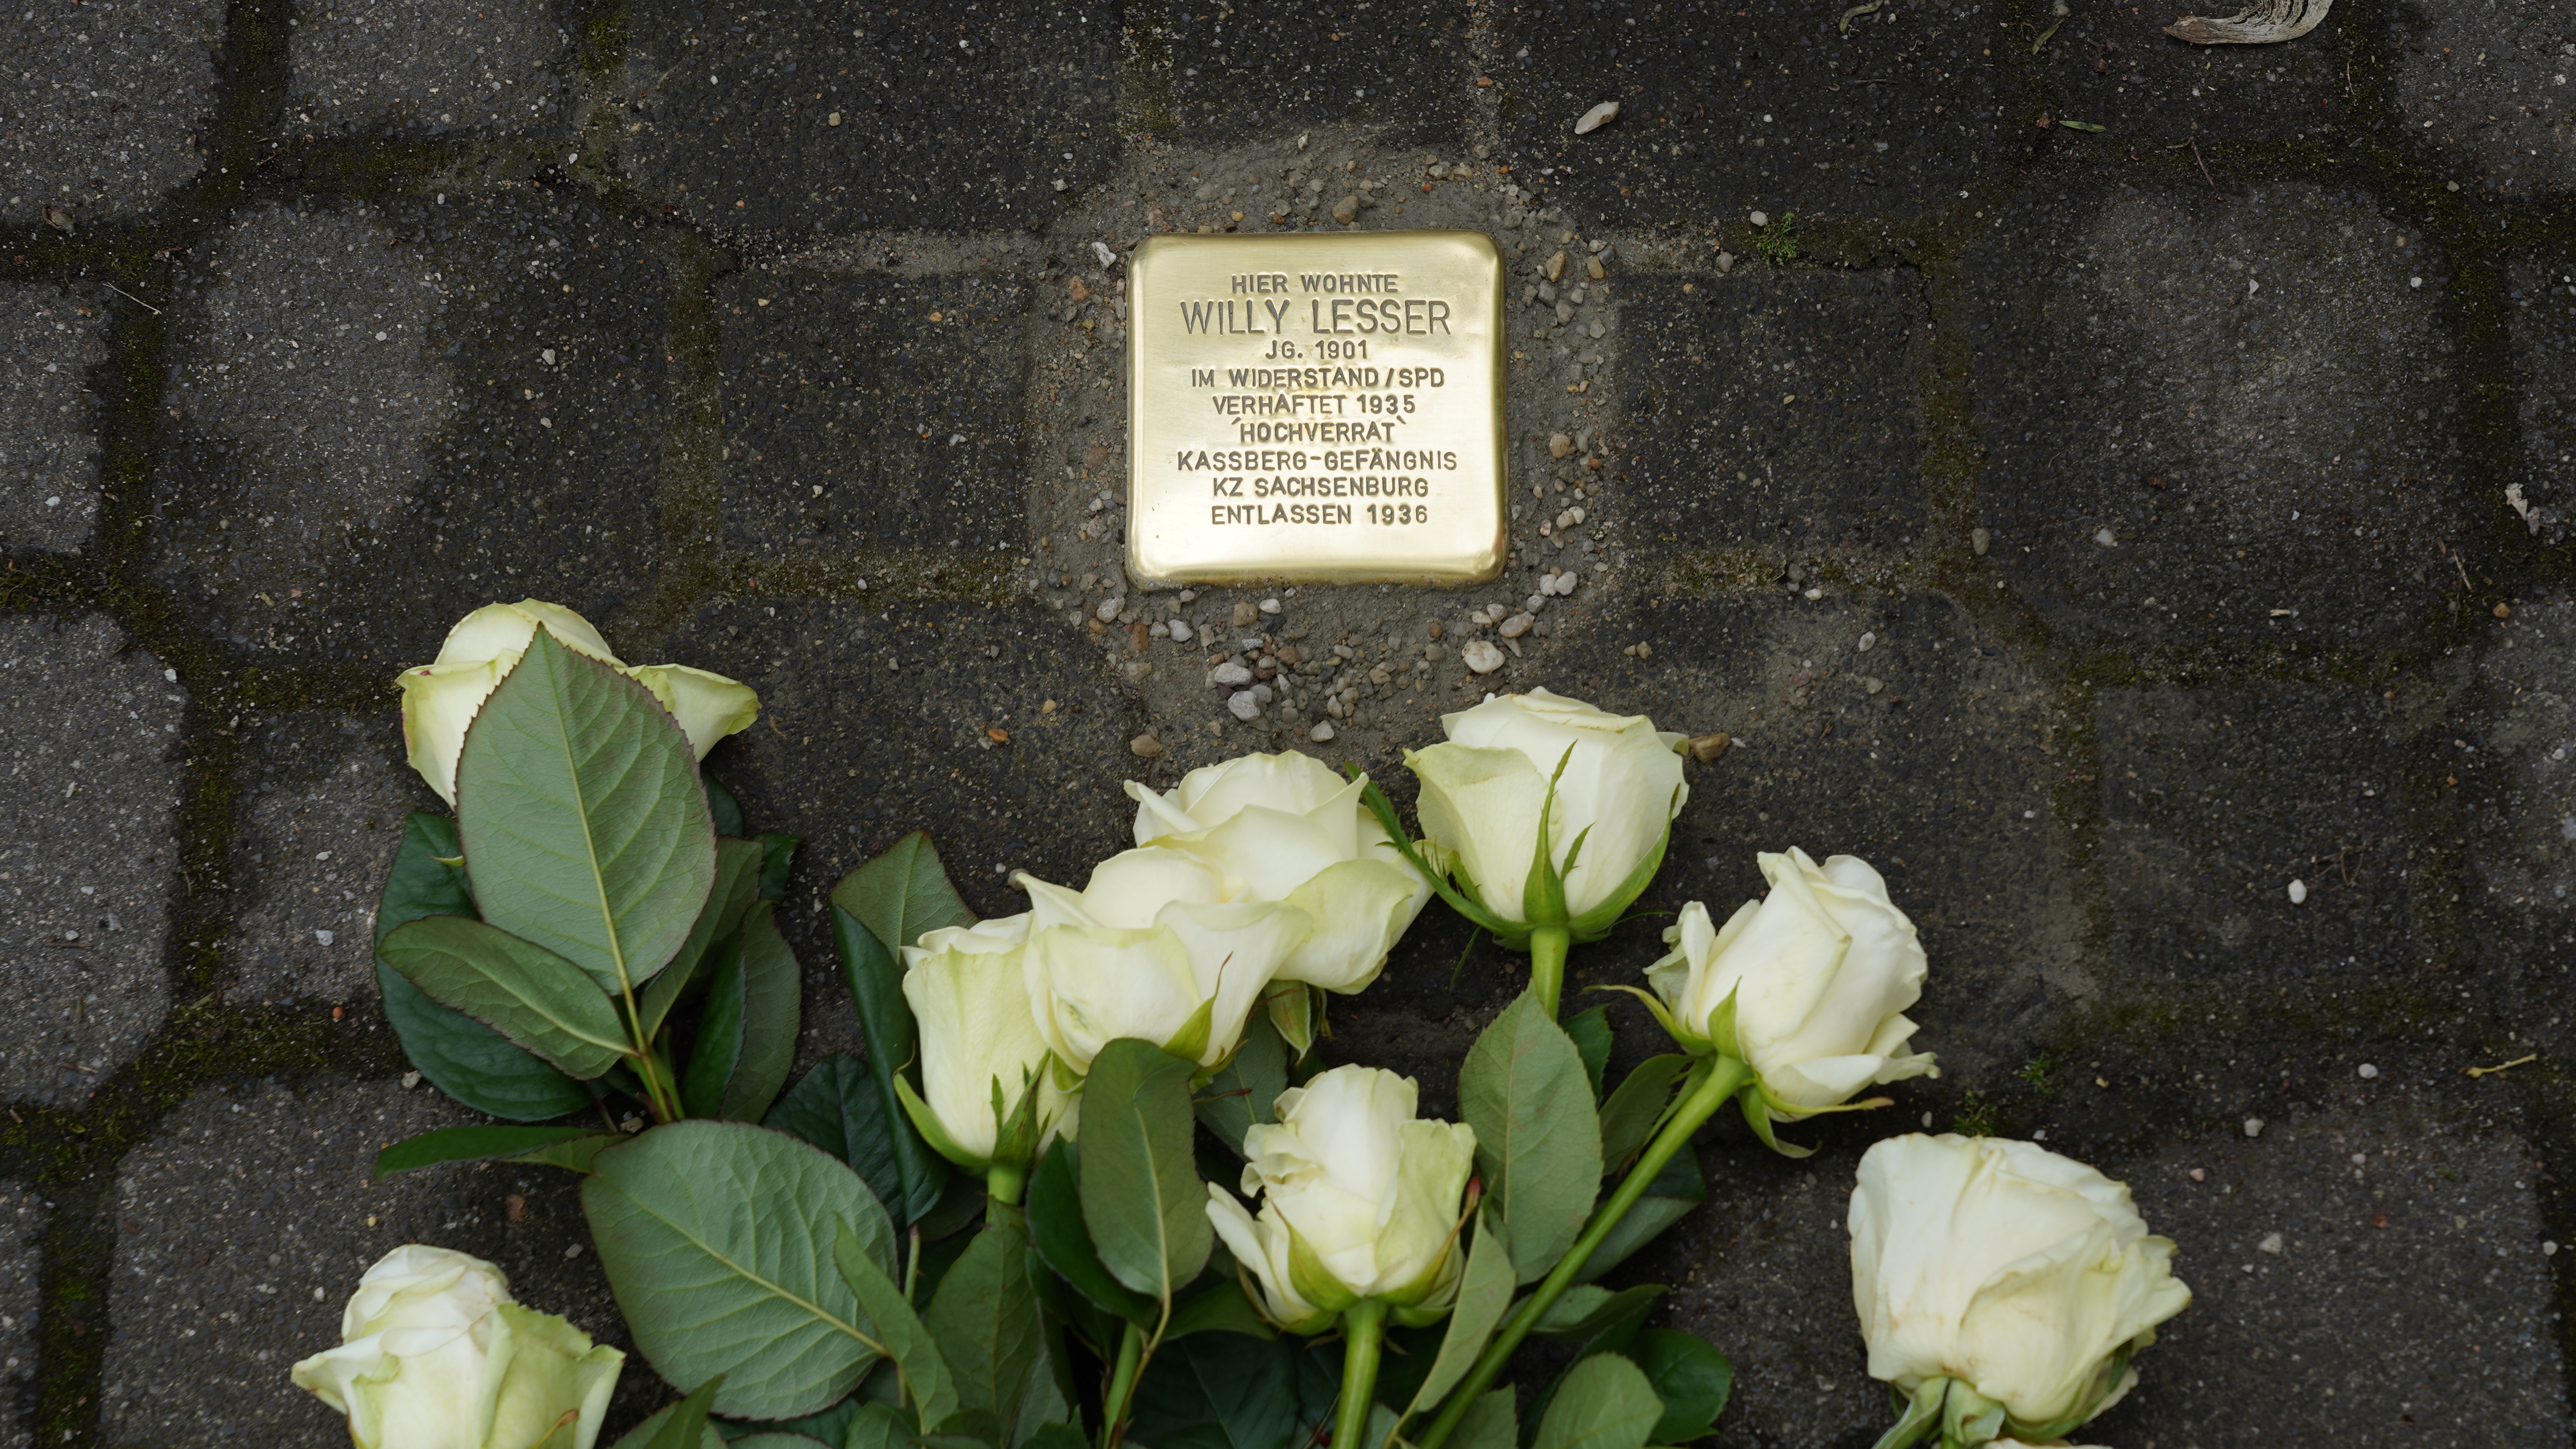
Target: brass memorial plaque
(1316, 408)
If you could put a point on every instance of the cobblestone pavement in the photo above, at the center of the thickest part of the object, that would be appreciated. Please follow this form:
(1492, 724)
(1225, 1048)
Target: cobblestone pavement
(2145, 539)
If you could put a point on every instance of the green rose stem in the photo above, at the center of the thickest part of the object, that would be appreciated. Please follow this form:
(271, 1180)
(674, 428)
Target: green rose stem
(1122, 1386)
(1004, 1181)
(1547, 947)
(1712, 1082)
(1363, 1335)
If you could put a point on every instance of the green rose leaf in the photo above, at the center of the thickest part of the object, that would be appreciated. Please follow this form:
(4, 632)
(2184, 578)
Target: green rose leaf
(584, 826)
(1226, 1391)
(1629, 1118)
(1538, 1146)
(716, 1238)
(1492, 1423)
(723, 807)
(777, 858)
(1064, 1243)
(835, 1106)
(907, 1340)
(985, 1321)
(1604, 1402)
(538, 1000)
(1248, 1089)
(471, 1144)
(1692, 1378)
(747, 1034)
(885, 1021)
(470, 1061)
(1217, 1305)
(1484, 1296)
(737, 879)
(1669, 1198)
(902, 893)
(1590, 1033)
(421, 882)
(1141, 1194)
(668, 1426)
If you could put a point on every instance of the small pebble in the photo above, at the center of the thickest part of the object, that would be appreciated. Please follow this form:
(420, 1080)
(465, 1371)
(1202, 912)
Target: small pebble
(2369, 1072)
(1558, 445)
(1347, 210)
(1979, 539)
(2253, 1126)
(1760, 218)
(1481, 655)
(2271, 1243)
(1244, 707)
(1434, 653)
(1872, 684)
(1270, 606)
(1556, 267)
(1231, 673)
(1867, 641)
(2504, 611)
(2549, 1250)
(1596, 118)
(1515, 626)
(2105, 537)
(410, 1080)
(2298, 893)
(1145, 747)
(1322, 733)
(1244, 612)
(1725, 263)
(1592, 269)
(1109, 608)
(1709, 746)
(1436, 630)
(2200, 1174)
(322, 936)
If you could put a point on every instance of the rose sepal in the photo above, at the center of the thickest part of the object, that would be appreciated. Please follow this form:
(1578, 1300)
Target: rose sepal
(1921, 1414)
(1464, 901)
(1969, 1418)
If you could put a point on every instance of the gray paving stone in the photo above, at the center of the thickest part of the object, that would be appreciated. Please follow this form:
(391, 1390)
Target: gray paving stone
(2213, 800)
(2491, 86)
(852, 755)
(428, 65)
(89, 860)
(1763, 410)
(22, 1231)
(2512, 747)
(2114, 67)
(943, 125)
(1722, 113)
(505, 442)
(105, 105)
(2252, 394)
(49, 419)
(2406, 1299)
(244, 1222)
(1402, 68)
(2541, 296)
(853, 419)
(322, 803)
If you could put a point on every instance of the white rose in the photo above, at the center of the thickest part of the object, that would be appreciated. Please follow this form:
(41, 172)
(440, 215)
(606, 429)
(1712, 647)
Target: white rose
(1821, 971)
(2009, 1272)
(1483, 793)
(1289, 829)
(981, 1054)
(441, 698)
(1159, 947)
(1359, 1200)
(437, 1356)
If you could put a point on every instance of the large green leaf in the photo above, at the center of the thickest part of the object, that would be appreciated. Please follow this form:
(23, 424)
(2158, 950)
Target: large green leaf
(470, 1144)
(1064, 1242)
(777, 859)
(421, 882)
(747, 1034)
(907, 1340)
(717, 1238)
(1604, 1402)
(1692, 1378)
(985, 1320)
(470, 1061)
(1141, 1194)
(1538, 1146)
(724, 808)
(1590, 1033)
(584, 826)
(1669, 1198)
(1247, 1091)
(519, 989)
(1216, 1304)
(1484, 1296)
(835, 1106)
(1226, 1391)
(736, 887)
(902, 893)
(1628, 1119)
(1597, 1317)
(885, 1021)
(659, 1432)
(1490, 1423)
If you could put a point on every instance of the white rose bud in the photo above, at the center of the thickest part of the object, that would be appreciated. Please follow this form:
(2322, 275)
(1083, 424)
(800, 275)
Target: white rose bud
(436, 1355)
(1484, 793)
(441, 698)
(982, 1059)
(1819, 974)
(2002, 1285)
(1161, 946)
(1292, 830)
(1359, 1200)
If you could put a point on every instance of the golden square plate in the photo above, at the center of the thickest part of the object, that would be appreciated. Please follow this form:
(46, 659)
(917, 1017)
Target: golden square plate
(1316, 408)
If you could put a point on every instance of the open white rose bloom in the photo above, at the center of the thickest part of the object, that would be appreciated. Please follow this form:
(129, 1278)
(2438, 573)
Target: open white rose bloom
(441, 698)
(1819, 973)
(1360, 1199)
(1161, 946)
(982, 1060)
(2002, 1287)
(1486, 791)
(1286, 828)
(437, 1356)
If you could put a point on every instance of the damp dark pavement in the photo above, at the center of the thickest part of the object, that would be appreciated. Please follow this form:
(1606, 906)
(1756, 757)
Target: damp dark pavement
(2119, 488)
